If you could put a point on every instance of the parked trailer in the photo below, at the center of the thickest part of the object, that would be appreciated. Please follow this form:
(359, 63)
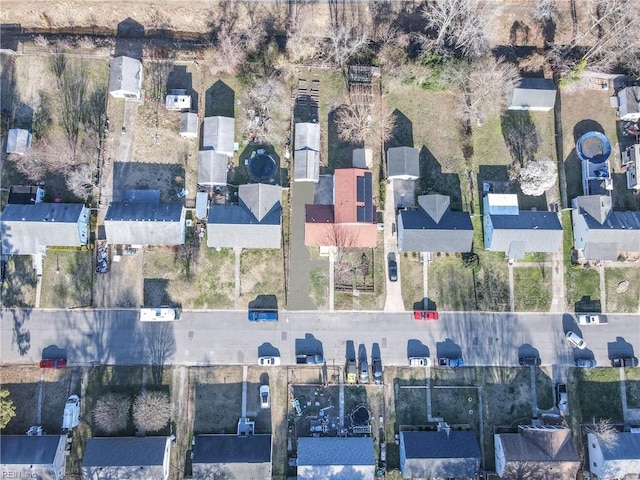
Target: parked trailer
(162, 314)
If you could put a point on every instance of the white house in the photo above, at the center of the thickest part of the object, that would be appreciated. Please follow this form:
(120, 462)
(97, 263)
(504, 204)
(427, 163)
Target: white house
(125, 78)
(615, 461)
(630, 159)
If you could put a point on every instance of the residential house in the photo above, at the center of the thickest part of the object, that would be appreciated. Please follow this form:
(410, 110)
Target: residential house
(39, 456)
(145, 223)
(444, 453)
(516, 232)
(18, 141)
(125, 78)
(212, 168)
(629, 104)
(177, 100)
(615, 460)
(218, 133)
(630, 160)
(334, 458)
(533, 94)
(255, 222)
(351, 220)
(403, 163)
(306, 152)
(232, 457)
(599, 232)
(362, 158)
(433, 227)
(29, 229)
(26, 194)
(115, 458)
(536, 452)
(189, 125)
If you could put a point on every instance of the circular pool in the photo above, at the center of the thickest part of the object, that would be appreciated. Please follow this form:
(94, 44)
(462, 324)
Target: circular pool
(262, 167)
(593, 147)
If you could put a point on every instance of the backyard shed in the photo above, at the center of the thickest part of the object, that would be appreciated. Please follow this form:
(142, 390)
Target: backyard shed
(177, 100)
(18, 141)
(629, 104)
(533, 94)
(189, 125)
(306, 155)
(218, 134)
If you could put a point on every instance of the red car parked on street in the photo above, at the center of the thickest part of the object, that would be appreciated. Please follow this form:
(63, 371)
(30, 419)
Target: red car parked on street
(53, 363)
(425, 315)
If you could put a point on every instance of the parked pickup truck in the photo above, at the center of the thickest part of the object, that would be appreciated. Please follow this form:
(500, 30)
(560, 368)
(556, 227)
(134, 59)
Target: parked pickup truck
(263, 315)
(309, 359)
(451, 362)
(587, 319)
(352, 371)
(624, 362)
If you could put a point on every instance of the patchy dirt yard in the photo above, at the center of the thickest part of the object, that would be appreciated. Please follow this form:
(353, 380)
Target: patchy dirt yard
(261, 274)
(67, 279)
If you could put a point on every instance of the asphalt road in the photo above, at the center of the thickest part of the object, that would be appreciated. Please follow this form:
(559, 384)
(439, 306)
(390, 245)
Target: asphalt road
(226, 337)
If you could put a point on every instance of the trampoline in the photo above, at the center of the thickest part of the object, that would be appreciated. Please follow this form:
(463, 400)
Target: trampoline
(262, 167)
(593, 147)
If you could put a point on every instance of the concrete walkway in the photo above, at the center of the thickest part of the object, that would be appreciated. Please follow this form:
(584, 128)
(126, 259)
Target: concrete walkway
(631, 416)
(558, 298)
(425, 277)
(341, 396)
(236, 294)
(39, 399)
(534, 393)
(512, 296)
(245, 370)
(603, 288)
(38, 290)
(393, 301)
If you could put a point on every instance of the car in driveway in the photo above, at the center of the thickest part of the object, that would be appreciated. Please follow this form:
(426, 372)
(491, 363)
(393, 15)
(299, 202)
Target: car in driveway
(364, 371)
(376, 368)
(393, 269)
(562, 398)
(575, 340)
(265, 399)
(530, 361)
(586, 362)
(419, 361)
(269, 361)
(624, 362)
(590, 319)
(53, 363)
(425, 315)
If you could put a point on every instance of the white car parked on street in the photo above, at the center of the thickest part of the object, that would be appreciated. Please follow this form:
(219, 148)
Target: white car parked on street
(576, 340)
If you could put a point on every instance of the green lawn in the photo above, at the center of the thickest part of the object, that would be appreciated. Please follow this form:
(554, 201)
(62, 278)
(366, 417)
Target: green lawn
(451, 285)
(596, 394)
(544, 389)
(633, 387)
(67, 278)
(532, 287)
(627, 301)
(412, 287)
(261, 273)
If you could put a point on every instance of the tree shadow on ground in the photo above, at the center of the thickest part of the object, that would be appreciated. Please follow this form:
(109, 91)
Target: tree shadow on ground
(402, 135)
(180, 78)
(127, 44)
(520, 135)
(433, 180)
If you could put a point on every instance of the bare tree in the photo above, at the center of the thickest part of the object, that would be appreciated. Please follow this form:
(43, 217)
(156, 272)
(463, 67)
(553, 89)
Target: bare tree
(79, 181)
(31, 164)
(537, 176)
(343, 43)
(267, 98)
(485, 85)
(74, 88)
(230, 53)
(605, 432)
(361, 122)
(301, 43)
(151, 411)
(544, 10)
(58, 64)
(521, 136)
(111, 413)
(158, 68)
(457, 25)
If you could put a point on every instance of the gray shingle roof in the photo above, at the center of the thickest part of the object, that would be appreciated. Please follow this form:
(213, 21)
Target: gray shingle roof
(145, 223)
(335, 451)
(189, 124)
(608, 232)
(433, 227)
(212, 168)
(622, 458)
(125, 74)
(533, 94)
(125, 457)
(403, 161)
(254, 223)
(550, 450)
(28, 229)
(31, 450)
(306, 155)
(232, 449)
(629, 101)
(438, 454)
(218, 133)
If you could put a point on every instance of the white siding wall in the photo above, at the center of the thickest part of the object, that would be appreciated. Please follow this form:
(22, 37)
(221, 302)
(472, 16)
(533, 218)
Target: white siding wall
(596, 460)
